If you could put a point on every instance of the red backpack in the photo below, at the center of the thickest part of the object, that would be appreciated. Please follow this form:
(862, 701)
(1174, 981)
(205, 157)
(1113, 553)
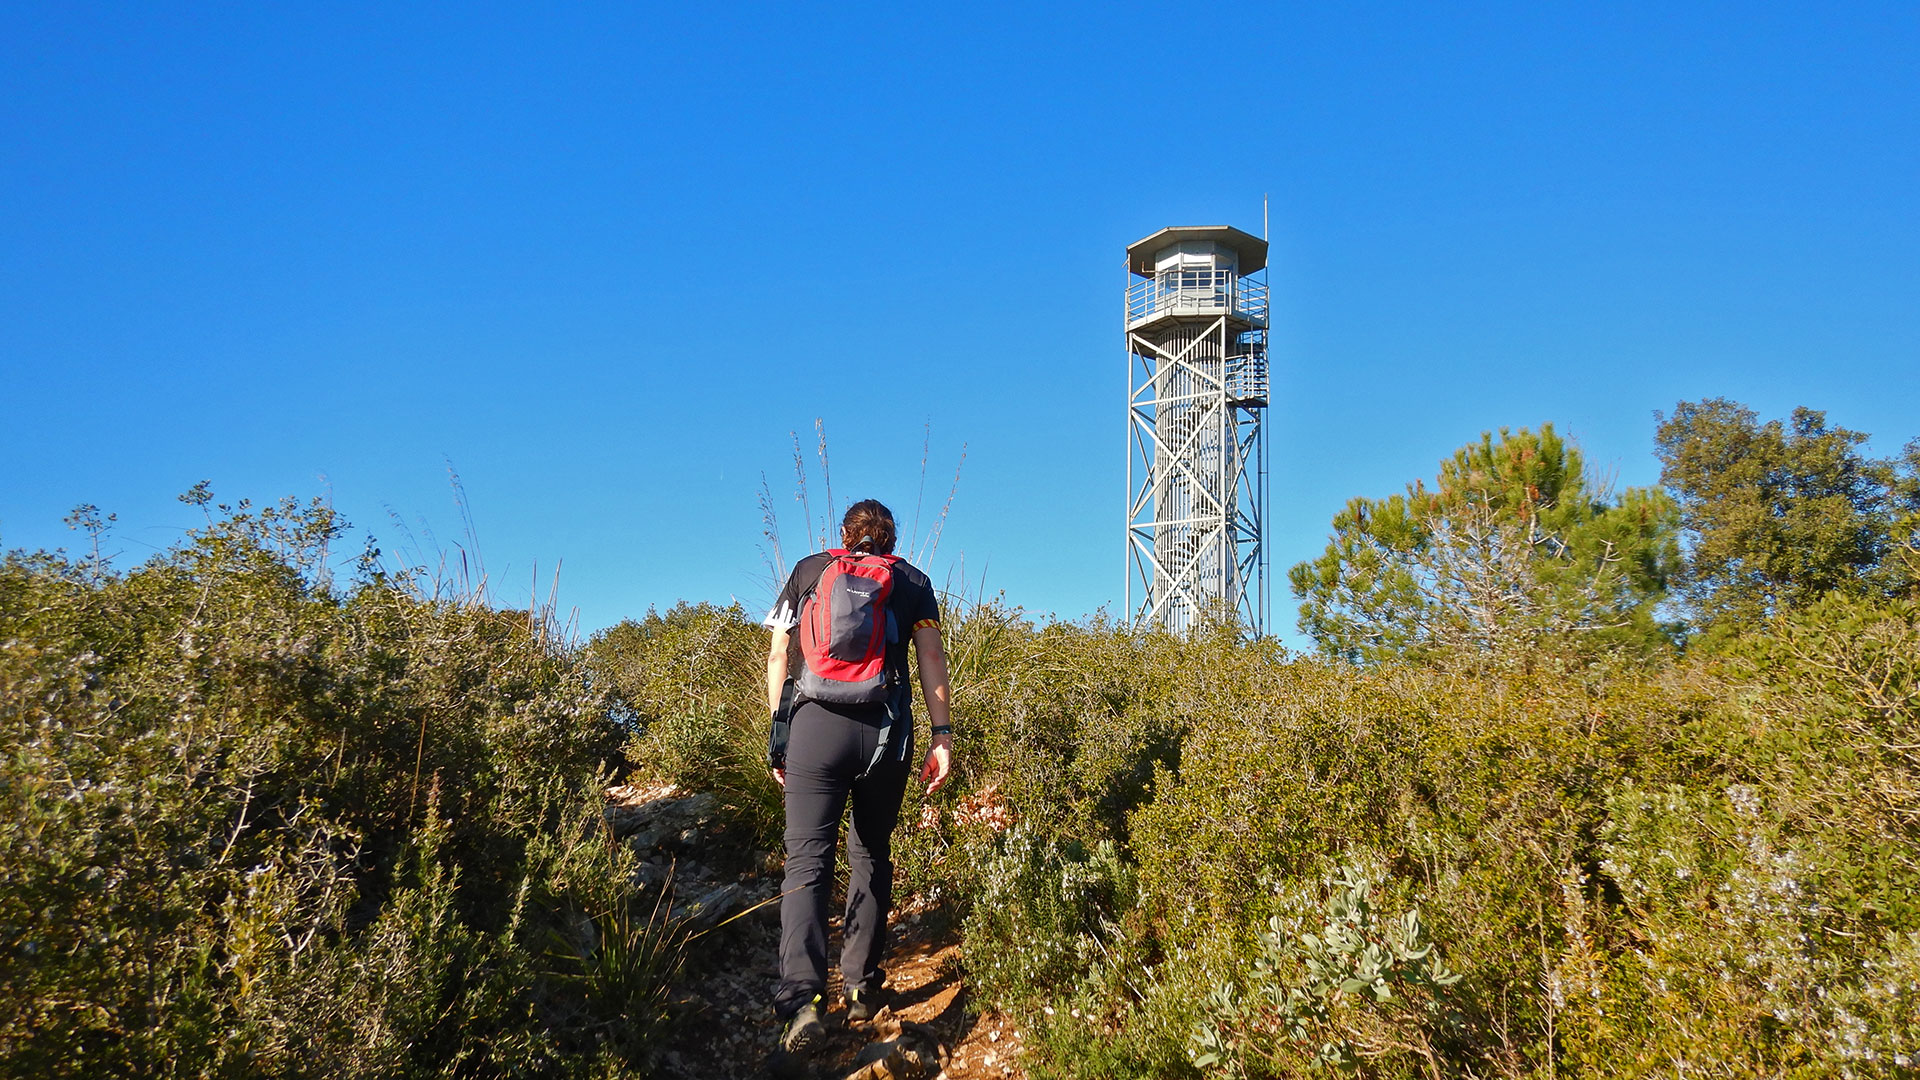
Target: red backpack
(845, 627)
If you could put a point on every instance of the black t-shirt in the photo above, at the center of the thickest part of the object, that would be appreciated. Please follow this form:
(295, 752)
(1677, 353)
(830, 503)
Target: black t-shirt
(912, 603)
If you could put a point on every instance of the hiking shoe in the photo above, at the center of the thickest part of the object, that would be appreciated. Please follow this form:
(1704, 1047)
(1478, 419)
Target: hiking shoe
(862, 1005)
(805, 1030)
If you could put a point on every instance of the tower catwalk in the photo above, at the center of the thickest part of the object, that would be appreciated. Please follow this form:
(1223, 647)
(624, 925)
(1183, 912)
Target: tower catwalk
(1196, 325)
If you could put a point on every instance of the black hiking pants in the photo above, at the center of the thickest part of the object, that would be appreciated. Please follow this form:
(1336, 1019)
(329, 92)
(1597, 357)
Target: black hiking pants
(828, 747)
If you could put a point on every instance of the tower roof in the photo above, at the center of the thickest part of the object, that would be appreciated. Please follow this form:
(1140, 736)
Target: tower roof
(1249, 249)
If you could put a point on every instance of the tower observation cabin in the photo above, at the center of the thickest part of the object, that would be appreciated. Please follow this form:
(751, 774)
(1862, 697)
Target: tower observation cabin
(1196, 328)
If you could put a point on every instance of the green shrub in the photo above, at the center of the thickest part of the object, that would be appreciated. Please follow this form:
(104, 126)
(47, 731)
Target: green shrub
(692, 685)
(1044, 915)
(254, 825)
(1338, 986)
(1503, 805)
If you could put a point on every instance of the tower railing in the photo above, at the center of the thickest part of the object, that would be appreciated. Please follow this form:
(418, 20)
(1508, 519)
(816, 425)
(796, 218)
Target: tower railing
(1197, 292)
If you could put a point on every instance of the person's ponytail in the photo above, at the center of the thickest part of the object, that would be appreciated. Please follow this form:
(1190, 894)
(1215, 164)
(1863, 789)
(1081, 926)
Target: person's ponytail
(868, 526)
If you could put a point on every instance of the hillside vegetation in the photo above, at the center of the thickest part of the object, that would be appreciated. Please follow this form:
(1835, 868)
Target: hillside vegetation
(253, 825)
(1207, 856)
(1616, 793)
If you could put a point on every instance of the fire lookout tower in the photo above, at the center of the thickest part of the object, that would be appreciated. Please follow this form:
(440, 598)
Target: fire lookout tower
(1196, 323)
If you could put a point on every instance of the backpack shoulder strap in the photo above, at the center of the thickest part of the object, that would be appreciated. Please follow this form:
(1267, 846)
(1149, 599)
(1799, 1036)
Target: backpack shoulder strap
(832, 555)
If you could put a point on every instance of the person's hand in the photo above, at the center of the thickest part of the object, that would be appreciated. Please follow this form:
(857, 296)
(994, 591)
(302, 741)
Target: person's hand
(780, 777)
(939, 763)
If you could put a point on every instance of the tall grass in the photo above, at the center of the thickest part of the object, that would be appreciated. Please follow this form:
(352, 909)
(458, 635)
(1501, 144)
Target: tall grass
(820, 533)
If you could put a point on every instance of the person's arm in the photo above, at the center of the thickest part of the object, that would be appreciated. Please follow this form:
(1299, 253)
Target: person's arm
(933, 683)
(776, 669)
(776, 682)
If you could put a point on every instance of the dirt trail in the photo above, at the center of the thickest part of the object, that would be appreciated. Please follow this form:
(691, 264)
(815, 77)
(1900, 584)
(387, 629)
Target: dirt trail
(724, 1028)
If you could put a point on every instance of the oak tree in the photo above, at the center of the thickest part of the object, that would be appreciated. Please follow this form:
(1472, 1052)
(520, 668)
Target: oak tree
(1777, 515)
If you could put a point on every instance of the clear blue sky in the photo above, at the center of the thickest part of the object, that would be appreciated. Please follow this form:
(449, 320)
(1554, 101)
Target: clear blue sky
(604, 259)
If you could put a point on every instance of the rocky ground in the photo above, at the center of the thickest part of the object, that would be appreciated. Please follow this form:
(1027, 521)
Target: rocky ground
(724, 1029)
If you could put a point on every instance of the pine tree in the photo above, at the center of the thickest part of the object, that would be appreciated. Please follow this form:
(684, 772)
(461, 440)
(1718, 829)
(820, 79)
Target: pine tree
(1514, 547)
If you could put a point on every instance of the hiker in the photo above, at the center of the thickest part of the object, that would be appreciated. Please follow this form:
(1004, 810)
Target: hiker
(842, 731)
